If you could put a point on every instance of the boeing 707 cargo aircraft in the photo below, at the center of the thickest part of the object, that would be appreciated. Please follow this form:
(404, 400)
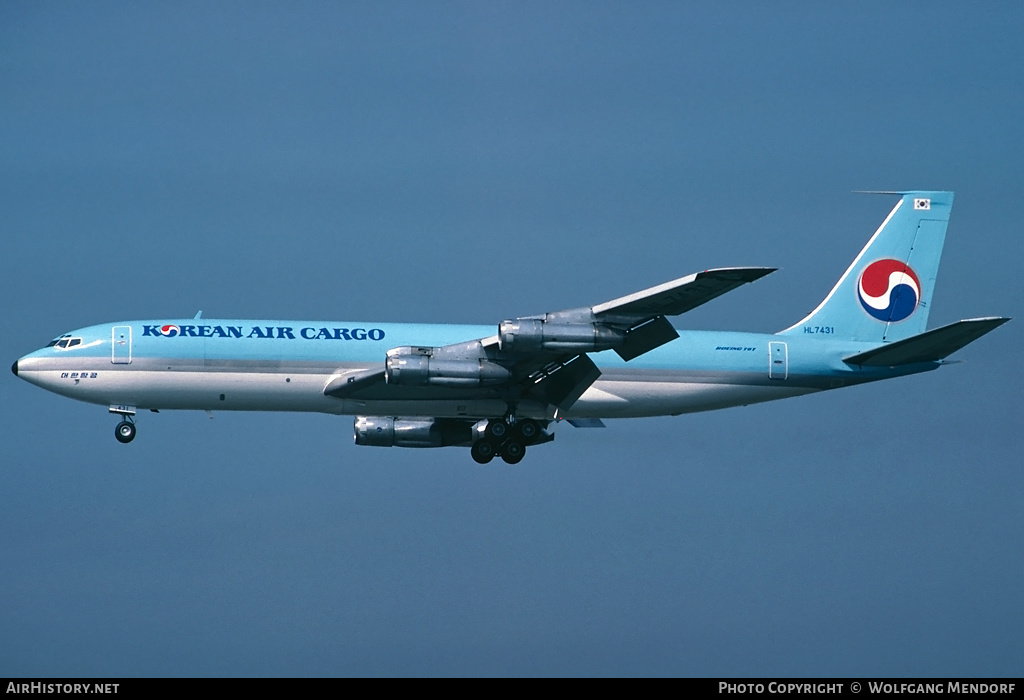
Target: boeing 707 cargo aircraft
(498, 393)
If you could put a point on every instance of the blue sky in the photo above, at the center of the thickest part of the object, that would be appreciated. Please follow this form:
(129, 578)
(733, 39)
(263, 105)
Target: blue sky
(467, 162)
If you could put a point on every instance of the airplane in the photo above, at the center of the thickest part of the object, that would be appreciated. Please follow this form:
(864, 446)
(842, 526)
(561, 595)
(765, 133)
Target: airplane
(412, 385)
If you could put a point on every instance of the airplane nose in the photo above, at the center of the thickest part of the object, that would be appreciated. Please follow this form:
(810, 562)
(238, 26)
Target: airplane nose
(14, 368)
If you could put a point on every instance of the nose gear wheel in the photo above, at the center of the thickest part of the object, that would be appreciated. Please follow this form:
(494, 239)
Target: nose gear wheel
(125, 432)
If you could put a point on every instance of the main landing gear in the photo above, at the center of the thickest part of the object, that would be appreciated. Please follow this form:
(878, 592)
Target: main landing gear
(506, 437)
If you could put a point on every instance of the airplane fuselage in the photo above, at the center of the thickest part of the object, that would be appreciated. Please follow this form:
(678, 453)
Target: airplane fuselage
(244, 365)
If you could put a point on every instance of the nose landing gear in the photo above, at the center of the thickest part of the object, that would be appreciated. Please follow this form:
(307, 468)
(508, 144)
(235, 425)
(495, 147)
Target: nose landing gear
(125, 431)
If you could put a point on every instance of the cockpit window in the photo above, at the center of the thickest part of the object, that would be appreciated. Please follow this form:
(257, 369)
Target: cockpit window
(65, 342)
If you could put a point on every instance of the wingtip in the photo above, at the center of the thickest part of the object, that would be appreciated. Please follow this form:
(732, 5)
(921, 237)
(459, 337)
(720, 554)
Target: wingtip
(747, 274)
(996, 321)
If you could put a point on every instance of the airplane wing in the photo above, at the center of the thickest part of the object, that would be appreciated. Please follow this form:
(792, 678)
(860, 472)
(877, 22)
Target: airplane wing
(681, 295)
(641, 316)
(544, 357)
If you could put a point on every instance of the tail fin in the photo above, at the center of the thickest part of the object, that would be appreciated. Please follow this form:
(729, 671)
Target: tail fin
(886, 293)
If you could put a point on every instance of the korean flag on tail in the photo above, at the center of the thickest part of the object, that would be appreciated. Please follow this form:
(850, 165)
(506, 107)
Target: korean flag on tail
(922, 204)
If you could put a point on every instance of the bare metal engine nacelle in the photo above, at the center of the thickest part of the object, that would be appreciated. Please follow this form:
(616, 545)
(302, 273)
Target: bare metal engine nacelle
(379, 431)
(411, 366)
(525, 335)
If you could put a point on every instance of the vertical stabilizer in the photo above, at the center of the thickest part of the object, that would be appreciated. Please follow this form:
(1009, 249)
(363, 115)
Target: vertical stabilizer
(886, 293)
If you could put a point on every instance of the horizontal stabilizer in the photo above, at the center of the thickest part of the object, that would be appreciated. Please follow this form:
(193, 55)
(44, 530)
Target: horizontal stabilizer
(681, 295)
(930, 346)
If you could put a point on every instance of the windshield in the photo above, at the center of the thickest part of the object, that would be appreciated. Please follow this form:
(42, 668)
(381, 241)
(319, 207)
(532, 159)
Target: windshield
(64, 342)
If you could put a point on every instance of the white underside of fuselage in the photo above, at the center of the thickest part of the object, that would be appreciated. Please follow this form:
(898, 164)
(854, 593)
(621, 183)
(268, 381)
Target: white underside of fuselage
(624, 399)
(268, 391)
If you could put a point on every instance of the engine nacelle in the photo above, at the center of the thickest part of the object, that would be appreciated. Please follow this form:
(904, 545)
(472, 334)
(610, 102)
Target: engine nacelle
(410, 366)
(380, 431)
(524, 335)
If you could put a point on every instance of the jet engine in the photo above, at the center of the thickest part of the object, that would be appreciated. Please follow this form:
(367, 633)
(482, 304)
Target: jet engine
(380, 431)
(524, 335)
(411, 366)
